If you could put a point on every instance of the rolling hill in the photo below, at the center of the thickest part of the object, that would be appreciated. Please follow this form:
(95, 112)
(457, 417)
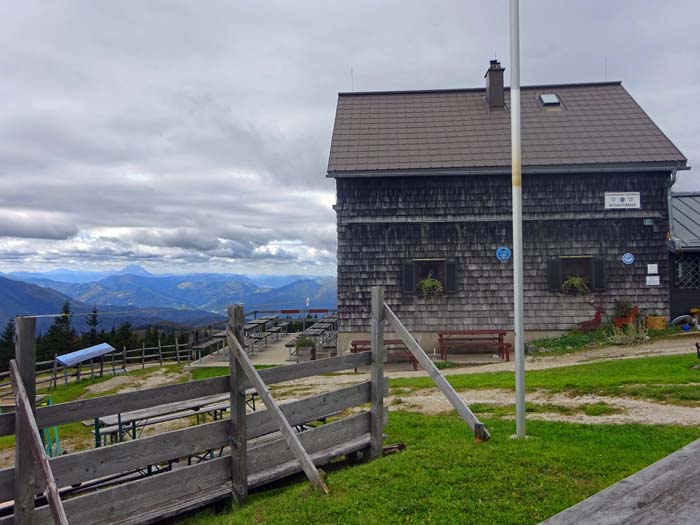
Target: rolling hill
(208, 291)
(20, 298)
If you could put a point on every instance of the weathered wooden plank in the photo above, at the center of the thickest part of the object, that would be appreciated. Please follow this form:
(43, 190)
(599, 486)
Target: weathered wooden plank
(480, 432)
(280, 374)
(91, 464)
(135, 501)
(664, 492)
(377, 373)
(319, 458)
(63, 413)
(237, 426)
(28, 424)
(118, 503)
(283, 424)
(87, 465)
(272, 453)
(25, 468)
(311, 408)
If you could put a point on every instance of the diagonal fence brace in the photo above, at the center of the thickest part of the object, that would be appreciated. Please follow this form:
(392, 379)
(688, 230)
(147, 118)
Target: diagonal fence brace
(282, 423)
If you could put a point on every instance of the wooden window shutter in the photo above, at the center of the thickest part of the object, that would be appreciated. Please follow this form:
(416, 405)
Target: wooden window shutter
(451, 276)
(599, 275)
(554, 275)
(408, 277)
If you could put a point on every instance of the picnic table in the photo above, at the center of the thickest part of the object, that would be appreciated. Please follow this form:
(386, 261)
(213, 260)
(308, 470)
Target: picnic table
(392, 346)
(481, 339)
(116, 426)
(275, 332)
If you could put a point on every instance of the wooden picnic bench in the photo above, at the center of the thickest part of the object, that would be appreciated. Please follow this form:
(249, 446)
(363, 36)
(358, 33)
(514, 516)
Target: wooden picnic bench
(117, 426)
(392, 346)
(481, 339)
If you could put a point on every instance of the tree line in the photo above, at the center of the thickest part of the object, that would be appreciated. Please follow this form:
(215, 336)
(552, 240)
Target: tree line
(62, 338)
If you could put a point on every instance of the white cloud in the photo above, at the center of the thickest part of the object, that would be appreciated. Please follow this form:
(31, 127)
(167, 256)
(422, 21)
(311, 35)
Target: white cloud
(186, 135)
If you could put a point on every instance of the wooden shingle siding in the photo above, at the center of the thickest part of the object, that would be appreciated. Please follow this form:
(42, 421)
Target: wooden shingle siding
(385, 223)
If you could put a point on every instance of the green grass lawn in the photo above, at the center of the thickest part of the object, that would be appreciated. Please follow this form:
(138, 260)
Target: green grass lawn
(670, 379)
(442, 477)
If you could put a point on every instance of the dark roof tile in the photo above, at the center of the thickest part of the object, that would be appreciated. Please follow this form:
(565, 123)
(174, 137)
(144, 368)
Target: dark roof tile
(600, 124)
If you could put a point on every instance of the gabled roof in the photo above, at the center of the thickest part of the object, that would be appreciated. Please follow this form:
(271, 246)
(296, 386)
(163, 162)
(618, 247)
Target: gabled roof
(685, 222)
(599, 124)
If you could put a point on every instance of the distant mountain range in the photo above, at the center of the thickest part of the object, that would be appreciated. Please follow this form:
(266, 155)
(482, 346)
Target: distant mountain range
(191, 299)
(20, 298)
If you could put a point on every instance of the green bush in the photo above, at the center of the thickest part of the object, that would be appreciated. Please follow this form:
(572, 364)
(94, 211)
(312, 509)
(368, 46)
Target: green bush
(306, 342)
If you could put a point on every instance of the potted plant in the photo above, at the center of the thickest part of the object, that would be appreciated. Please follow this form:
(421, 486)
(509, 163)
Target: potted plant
(306, 346)
(695, 312)
(624, 313)
(430, 287)
(575, 285)
(654, 321)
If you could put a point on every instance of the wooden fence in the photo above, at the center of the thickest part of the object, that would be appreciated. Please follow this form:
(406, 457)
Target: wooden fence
(249, 463)
(117, 484)
(51, 373)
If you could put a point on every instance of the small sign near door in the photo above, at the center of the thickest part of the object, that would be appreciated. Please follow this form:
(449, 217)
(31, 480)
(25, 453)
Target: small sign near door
(622, 200)
(653, 280)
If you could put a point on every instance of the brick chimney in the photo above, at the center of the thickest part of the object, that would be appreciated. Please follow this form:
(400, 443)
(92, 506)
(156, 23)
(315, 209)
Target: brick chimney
(494, 85)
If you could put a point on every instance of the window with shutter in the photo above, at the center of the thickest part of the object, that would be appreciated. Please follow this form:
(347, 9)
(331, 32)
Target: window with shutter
(599, 279)
(408, 277)
(591, 269)
(412, 272)
(451, 276)
(554, 279)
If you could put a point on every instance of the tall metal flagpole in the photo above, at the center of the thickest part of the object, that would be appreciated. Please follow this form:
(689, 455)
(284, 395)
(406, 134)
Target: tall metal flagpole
(518, 324)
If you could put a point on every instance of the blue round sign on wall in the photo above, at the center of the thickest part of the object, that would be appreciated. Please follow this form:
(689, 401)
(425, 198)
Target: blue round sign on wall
(628, 258)
(503, 253)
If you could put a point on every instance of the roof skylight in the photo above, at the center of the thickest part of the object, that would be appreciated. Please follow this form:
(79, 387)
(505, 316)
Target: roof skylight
(550, 99)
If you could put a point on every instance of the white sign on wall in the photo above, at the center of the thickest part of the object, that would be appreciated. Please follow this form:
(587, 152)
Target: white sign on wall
(652, 269)
(622, 200)
(653, 280)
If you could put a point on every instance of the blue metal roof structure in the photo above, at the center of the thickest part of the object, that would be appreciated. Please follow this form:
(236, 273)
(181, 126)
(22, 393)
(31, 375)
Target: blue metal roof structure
(80, 356)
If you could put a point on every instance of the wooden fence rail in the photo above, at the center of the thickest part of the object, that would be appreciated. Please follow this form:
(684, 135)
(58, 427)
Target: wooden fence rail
(131, 496)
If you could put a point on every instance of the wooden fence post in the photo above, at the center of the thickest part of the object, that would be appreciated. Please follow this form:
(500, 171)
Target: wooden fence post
(124, 358)
(143, 355)
(25, 468)
(376, 445)
(160, 353)
(177, 348)
(238, 438)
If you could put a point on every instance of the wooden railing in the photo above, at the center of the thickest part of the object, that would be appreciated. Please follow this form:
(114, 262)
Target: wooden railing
(129, 498)
(108, 485)
(25, 421)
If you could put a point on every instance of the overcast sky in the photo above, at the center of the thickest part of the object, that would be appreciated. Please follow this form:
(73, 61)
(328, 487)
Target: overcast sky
(193, 136)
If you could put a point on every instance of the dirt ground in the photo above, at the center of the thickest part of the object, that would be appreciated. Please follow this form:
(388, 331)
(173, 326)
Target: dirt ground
(431, 401)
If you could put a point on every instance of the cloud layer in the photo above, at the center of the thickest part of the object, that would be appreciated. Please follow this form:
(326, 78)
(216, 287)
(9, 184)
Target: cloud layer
(195, 136)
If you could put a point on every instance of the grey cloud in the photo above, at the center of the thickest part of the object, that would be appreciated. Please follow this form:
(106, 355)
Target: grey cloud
(197, 135)
(37, 225)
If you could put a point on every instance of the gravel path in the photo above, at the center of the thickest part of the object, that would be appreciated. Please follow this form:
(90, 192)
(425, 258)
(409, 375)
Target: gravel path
(431, 401)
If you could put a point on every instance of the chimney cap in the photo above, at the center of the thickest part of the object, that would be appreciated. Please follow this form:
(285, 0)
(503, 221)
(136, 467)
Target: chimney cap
(494, 65)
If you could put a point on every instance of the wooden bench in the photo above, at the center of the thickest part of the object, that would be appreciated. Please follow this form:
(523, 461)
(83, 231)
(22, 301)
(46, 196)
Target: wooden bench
(483, 339)
(391, 346)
